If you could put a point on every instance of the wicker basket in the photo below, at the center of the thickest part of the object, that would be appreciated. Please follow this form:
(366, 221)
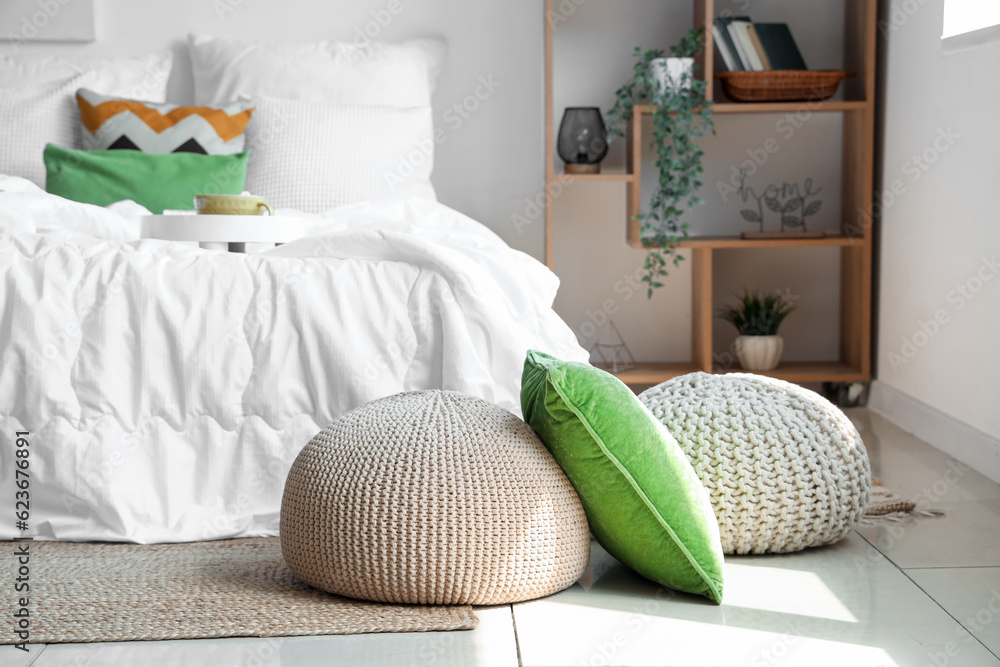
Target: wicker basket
(782, 85)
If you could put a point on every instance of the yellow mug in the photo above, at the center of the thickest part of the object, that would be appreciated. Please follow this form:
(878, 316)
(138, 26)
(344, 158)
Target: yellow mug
(231, 205)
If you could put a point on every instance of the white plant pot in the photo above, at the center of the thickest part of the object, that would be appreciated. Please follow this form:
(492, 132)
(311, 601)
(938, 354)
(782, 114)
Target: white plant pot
(759, 353)
(673, 74)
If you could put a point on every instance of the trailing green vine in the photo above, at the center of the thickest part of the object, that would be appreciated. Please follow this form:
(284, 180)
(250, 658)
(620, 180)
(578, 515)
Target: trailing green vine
(680, 115)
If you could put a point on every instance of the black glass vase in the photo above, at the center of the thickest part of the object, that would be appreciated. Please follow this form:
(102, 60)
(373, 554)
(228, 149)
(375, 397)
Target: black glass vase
(583, 140)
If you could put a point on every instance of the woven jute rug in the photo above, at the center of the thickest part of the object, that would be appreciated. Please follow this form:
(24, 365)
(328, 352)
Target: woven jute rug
(101, 592)
(886, 507)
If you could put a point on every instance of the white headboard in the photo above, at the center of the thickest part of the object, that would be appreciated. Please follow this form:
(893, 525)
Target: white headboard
(488, 102)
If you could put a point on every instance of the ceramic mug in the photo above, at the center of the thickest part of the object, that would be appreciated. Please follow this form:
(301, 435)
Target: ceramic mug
(231, 205)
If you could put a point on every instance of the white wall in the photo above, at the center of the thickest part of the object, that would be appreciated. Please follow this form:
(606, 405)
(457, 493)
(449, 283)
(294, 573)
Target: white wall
(942, 234)
(489, 163)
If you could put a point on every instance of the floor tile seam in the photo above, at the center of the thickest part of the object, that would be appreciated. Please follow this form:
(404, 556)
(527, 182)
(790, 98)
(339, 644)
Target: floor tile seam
(952, 567)
(517, 639)
(37, 654)
(950, 615)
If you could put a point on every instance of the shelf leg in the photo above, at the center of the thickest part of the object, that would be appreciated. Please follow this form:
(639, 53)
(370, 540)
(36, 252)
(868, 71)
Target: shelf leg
(701, 308)
(855, 308)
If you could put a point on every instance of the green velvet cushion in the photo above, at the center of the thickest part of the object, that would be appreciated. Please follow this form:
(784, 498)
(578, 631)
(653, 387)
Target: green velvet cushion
(645, 503)
(156, 181)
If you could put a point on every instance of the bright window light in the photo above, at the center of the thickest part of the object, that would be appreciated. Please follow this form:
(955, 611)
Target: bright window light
(962, 16)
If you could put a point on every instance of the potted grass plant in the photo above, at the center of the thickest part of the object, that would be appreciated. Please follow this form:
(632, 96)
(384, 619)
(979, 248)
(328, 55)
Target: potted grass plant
(680, 115)
(757, 318)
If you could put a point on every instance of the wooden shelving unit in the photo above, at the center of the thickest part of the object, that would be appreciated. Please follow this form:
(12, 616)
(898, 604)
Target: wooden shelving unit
(791, 371)
(723, 242)
(854, 240)
(600, 178)
(785, 107)
(654, 372)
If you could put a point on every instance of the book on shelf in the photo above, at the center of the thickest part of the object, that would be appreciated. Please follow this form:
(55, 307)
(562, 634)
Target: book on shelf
(740, 31)
(728, 57)
(765, 63)
(725, 44)
(747, 46)
(777, 42)
(732, 44)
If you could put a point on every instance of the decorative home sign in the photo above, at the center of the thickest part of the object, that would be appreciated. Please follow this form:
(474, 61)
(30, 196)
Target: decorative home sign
(62, 21)
(788, 201)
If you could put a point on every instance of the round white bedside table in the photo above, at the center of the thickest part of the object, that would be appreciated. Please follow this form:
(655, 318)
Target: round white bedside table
(224, 232)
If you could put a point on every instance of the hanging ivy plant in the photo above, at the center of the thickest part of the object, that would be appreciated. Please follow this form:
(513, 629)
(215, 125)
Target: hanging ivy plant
(680, 115)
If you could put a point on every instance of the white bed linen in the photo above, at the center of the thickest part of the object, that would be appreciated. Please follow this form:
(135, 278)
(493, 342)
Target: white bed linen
(167, 389)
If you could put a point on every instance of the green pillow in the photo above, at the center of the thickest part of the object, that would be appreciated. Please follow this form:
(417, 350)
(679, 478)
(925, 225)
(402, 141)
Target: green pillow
(156, 181)
(645, 503)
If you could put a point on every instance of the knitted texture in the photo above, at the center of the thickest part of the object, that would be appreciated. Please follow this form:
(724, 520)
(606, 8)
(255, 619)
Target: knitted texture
(432, 498)
(784, 467)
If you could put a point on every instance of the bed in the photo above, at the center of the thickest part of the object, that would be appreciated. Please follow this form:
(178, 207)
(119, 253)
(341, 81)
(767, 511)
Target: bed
(166, 389)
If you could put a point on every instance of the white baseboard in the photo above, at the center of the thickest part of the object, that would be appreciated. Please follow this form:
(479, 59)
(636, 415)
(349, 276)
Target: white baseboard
(955, 438)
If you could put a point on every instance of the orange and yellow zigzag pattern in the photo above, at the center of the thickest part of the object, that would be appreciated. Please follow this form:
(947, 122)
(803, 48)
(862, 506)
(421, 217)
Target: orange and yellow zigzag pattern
(226, 126)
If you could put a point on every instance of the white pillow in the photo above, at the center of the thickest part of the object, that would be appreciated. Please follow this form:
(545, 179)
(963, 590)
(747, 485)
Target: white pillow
(143, 77)
(314, 157)
(34, 116)
(395, 75)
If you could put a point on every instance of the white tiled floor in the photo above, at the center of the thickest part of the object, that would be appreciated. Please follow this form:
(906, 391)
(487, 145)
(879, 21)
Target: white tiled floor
(831, 606)
(492, 644)
(924, 592)
(970, 594)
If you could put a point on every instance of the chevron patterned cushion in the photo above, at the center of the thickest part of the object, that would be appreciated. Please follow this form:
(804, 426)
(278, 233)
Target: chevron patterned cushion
(110, 123)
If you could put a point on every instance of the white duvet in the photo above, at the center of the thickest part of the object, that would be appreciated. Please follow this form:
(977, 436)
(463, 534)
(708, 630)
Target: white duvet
(167, 389)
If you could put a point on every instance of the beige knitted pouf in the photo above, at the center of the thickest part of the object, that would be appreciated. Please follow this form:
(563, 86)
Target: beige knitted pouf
(785, 468)
(432, 497)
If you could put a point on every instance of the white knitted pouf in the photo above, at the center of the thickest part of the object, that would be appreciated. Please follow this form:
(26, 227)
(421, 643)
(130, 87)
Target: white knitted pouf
(785, 468)
(432, 497)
